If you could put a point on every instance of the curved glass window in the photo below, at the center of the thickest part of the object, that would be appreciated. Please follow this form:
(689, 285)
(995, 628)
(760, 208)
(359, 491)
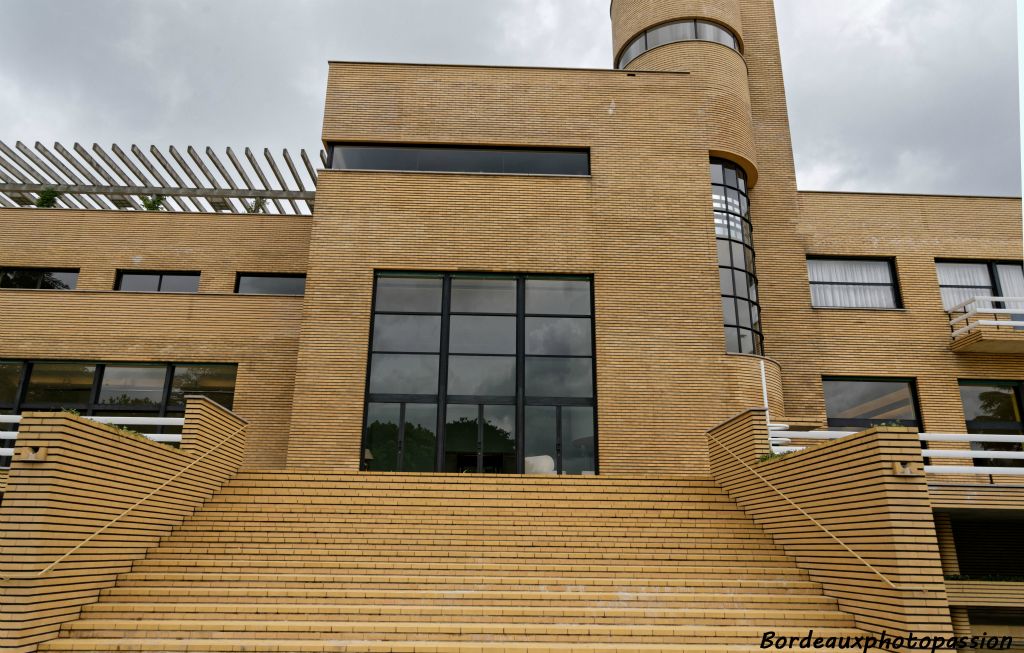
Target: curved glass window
(737, 277)
(680, 30)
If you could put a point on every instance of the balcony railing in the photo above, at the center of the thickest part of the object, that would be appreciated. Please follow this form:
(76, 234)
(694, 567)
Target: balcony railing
(9, 432)
(979, 312)
(781, 443)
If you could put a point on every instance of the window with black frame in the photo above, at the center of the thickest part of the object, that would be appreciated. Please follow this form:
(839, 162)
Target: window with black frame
(38, 278)
(994, 408)
(481, 374)
(132, 281)
(856, 404)
(962, 280)
(852, 283)
(737, 275)
(110, 389)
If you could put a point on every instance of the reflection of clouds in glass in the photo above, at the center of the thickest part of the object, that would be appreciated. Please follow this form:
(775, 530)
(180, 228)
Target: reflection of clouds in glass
(559, 377)
(558, 336)
(869, 400)
(557, 297)
(481, 334)
(503, 419)
(406, 333)
(483, 295)
(403, 374)
(482, 375)
(409, 294)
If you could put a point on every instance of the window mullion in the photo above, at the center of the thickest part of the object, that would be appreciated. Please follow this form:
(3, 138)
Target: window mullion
(442, 371)
(521, 375)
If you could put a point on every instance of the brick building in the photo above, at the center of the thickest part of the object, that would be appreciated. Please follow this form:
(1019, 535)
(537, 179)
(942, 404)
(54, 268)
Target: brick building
(532, 359)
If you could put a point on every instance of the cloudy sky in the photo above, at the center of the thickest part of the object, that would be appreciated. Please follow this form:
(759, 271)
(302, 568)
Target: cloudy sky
(884, 95)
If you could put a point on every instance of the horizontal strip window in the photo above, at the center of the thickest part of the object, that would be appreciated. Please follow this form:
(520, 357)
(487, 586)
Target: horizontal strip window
(861, 403)
(853, 283)
(125, 389)
(475, 352)
(270, 284)
(485, 160)
(131, 281)
(38, 278)
(676, 32)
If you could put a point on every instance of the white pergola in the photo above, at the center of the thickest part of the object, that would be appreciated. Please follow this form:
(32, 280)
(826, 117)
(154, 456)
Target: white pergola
(114, 180)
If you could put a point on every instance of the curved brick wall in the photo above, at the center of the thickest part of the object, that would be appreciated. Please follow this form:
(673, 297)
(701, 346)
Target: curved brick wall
(722, 75)
(629, 17)
(744, 374)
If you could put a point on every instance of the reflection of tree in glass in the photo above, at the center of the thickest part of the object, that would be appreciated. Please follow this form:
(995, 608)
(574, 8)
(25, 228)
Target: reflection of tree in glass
(461, 435)
(998, 406)
(420, 448)
(215, 381)
(127, 399)
(52, 282)
(382, 441)
(33, 279)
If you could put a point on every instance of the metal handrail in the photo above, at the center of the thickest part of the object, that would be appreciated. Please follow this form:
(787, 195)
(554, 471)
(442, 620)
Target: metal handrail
(814, 521)
(135, 505)
(984, 305)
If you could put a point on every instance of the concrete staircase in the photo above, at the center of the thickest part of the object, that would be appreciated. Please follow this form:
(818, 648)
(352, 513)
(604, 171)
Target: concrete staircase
(293, 562)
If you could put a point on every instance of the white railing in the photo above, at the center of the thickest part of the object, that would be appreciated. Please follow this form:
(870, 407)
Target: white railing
(964, 318)
(782, 444)
(9, 425)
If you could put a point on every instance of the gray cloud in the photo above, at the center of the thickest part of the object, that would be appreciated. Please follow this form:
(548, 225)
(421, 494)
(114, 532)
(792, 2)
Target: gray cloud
(885, 95)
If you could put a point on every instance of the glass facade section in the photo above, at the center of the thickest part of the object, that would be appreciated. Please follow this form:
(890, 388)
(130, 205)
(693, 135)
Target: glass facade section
(994, 408)
(737, 276)
(676, 32)
(488, 354)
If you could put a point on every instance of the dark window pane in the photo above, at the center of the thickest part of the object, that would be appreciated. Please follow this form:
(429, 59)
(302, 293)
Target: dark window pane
(559, 377)
(59, 281)
(33, 278)
(876, 401)
(216, 382)
(408, 294)
(670, 33)
(558, 336)
(414, 333)
(10, 379)
(482, 334)
(381, 448)
(180, 283)
(558, 297)
(991, 408)
(472, 295)
(499, 441)
(732, 340)
(60, 385)
(23, 279)
(419, 439)
(461, 438)
(482, 376)
(267, 285)
(578, 451)
(139, 282)
(729, 310)
(540, 440)
(136, 386)
(403, 374)
(461, 159)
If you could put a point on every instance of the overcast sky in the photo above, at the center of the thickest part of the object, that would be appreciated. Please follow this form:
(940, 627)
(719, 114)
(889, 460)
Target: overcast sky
(884, 95)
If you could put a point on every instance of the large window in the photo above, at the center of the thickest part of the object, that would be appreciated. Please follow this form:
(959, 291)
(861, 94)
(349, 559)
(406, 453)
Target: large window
(481, 373)
(674, 32)
(993, 407)
(962, 280)
(860, 403)
(852, 283)
(740, 308)
(270, 284)
(491, 160)
(38, 279)
(157, 281)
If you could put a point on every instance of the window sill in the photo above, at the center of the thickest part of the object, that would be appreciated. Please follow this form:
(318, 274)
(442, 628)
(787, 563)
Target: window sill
(860, 308)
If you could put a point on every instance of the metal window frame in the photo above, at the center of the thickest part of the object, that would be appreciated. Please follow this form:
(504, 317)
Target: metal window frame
(995, 286)
(442, 399)
(334, 145)
(42, 272)
(894, 285)
(268, 275)
(869, 422)
(160, 282)
(621, 64)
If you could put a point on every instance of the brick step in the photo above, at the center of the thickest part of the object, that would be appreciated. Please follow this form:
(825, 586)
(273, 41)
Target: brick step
(457, 631)
(255, 518)
(723, 595)
(333, 478)
(750, 616)
(371, 564)
(336, 645)
(433, 582)
(446, 538)
(487, 547)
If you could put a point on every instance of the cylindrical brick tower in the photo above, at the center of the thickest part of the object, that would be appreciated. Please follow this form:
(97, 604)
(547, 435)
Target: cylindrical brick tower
(705, 39)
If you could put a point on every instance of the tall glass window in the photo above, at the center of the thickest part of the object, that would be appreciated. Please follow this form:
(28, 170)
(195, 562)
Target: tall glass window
(737, 275)
(994, 408)
(462, 365)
